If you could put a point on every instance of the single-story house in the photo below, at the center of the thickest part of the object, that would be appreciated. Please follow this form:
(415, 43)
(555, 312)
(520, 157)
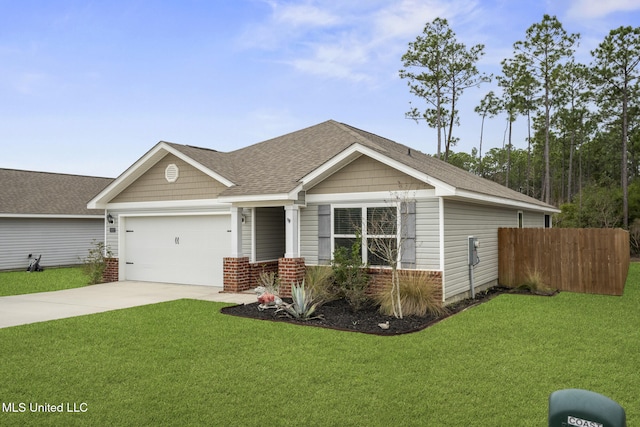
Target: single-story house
(46, 214)
(193, 215)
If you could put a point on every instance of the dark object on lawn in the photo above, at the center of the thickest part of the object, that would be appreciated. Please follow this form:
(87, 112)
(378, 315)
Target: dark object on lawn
(34, 265)
(575, 407)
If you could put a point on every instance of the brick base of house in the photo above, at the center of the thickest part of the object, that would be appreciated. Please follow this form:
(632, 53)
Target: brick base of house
(258, 268)
(381, 277)
(237, 274)
(291, 271)
(110, 273)
(240, 275)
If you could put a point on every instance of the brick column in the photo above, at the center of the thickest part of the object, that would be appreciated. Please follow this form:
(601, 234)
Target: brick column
(290, 271)
(237, 274)
(110, 273)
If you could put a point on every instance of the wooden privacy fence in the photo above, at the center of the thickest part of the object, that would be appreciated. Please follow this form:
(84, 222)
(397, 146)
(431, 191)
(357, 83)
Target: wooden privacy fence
(587, 260)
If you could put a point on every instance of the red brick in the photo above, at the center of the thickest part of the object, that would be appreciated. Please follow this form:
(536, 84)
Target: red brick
(236, 276)
(110, 273)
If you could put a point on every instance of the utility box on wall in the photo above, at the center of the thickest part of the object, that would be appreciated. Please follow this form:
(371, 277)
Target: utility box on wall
(474, 244)
(583, 408)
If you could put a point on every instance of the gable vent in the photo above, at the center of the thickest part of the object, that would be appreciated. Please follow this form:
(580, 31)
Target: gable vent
(171, 173)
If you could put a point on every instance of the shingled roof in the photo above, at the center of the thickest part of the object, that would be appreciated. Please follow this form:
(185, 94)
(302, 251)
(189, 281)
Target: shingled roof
(277, 165)
(43, 193)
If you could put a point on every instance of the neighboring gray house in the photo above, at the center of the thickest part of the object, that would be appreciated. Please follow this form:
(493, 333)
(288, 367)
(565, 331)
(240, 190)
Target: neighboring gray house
(198, 216)
(46, 214)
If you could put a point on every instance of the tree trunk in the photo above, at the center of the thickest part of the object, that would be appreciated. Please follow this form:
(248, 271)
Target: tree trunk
(546, 188)
(528, 153)
(451, 119)
(439, 122)
(570, 172)
(480, 146)
(624, 166)
(509, 151)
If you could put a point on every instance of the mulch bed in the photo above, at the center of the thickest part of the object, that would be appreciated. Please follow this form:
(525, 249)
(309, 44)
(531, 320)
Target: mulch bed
(339, 315)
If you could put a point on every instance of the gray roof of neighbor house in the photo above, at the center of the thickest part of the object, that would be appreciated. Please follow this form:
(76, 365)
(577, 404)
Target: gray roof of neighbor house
(277, 165)
(44, 193)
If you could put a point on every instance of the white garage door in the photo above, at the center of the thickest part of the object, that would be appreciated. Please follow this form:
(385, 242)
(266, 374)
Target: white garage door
(177, 249)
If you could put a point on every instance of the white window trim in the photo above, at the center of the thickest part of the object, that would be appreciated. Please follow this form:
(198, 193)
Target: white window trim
(520, 219)
(363, 212)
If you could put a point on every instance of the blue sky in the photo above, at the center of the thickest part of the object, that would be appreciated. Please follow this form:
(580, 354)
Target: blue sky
(87, 87)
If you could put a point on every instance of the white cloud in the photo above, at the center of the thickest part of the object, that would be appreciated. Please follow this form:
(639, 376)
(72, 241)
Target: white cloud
(286, 23)
(347, 40)
(407, 18)
(329, 68)
(591, 9)
(297, 15)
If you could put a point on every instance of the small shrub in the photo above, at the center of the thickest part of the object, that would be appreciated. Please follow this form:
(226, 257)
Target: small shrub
(319, 280)
(95, 263)
(270, 282)
(350, 276)
(419, 295)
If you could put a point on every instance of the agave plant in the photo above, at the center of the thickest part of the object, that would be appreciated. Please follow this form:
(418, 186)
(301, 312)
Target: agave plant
(303, 305)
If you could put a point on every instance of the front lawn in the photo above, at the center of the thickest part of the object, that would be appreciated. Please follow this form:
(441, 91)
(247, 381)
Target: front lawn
(184, 363)
(51, 279)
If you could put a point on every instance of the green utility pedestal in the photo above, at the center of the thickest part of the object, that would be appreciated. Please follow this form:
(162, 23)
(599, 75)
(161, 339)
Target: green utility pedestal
(583, 408)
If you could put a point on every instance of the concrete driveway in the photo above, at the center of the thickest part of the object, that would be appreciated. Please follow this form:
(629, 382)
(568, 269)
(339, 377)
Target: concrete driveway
(44, 306)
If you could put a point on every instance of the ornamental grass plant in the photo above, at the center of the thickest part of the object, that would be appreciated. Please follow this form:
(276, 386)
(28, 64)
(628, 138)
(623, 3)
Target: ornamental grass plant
(319, 280)
(420, 295)
(534, 282)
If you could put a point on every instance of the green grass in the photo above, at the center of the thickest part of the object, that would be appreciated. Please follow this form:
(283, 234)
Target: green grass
(51, 279)
(184, 363)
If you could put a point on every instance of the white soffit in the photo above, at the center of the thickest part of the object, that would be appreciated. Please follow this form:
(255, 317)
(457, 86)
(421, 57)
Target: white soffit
(492, 200)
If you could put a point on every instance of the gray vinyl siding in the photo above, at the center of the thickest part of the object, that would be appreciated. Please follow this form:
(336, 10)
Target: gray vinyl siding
(462, 220)
(309, 234)
(364, 175)
(114, 229)
(427, 235)
(60, 241)
(270, 233)
(533, 219)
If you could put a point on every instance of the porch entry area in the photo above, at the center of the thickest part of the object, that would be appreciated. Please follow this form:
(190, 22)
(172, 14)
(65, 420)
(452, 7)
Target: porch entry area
(273, 233)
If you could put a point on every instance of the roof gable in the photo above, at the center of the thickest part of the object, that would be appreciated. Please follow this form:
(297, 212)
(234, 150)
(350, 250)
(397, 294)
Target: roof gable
(366, 174)
(30, 193)
(150, 159)
(153, 185)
